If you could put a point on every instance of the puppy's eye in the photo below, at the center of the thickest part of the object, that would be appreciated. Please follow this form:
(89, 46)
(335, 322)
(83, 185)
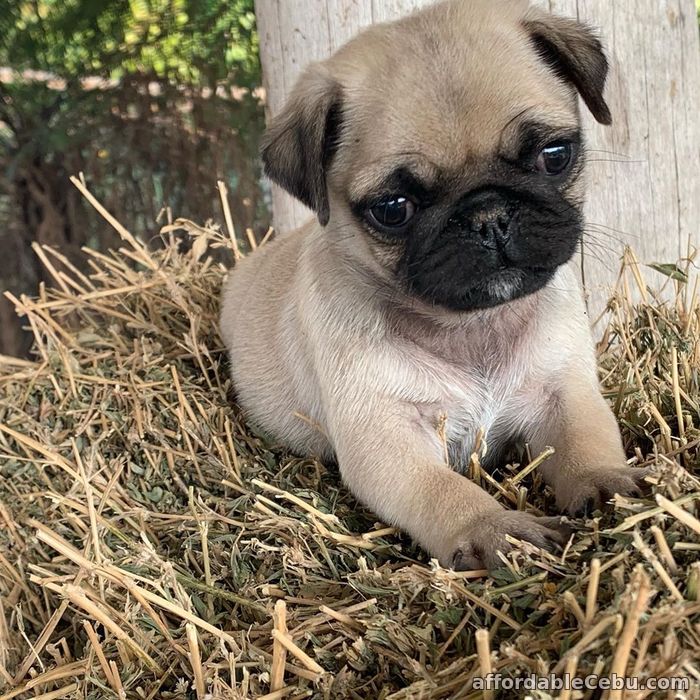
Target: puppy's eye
(392, 212)
(554, 158)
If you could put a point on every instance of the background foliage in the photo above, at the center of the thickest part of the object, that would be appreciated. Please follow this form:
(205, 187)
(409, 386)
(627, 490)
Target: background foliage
(153, 100)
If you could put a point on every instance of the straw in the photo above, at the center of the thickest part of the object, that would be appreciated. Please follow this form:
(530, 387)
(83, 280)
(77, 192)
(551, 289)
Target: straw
(154, 545)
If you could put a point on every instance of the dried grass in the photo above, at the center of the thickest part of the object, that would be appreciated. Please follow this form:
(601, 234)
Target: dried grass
(153, 546)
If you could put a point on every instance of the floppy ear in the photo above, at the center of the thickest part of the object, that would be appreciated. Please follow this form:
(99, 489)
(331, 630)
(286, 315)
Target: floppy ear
(574, 51)
(301, 139)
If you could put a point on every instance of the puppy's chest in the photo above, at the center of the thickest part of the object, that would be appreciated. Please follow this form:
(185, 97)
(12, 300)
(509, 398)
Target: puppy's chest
(481, 376)
(478, 394)
(475, 400)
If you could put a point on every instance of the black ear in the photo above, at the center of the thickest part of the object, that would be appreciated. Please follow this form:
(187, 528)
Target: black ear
(574, 51)
(301, 139)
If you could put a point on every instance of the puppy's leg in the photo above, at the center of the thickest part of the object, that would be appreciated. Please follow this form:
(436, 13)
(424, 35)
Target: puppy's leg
(589, 464)
(393, 462)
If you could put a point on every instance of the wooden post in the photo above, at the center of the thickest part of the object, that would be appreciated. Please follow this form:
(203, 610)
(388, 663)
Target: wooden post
(644, 178)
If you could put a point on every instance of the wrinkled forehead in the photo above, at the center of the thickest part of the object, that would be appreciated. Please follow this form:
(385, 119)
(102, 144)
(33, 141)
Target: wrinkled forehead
(441, 108)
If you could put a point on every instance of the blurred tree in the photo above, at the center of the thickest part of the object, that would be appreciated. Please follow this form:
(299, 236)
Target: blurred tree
(152, 99)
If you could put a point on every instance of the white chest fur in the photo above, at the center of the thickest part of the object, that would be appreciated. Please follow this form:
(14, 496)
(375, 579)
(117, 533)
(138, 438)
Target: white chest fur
(494, 373)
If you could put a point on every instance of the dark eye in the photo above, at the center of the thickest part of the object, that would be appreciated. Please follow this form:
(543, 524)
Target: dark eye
(554, 158)
(392, 212)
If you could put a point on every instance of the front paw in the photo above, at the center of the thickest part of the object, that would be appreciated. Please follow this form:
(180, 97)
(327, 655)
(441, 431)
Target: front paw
(478, 546)
(585, 491)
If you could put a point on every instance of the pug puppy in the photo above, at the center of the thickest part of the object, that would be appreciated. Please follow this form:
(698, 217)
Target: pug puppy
(432, 297)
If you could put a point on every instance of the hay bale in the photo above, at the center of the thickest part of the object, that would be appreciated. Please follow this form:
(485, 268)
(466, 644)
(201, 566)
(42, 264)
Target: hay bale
(152, 546)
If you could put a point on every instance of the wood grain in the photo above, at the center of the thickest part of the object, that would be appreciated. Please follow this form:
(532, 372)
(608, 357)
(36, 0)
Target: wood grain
(644, 177)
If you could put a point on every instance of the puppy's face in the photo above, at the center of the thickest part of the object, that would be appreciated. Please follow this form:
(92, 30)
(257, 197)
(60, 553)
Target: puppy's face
(446, 148)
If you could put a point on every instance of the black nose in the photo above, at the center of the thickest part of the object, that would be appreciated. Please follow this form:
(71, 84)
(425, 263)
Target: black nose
(489, 216)
(492, 228)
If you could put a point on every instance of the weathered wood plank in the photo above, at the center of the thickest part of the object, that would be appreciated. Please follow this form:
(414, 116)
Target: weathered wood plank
(644, 179)
(644, 175)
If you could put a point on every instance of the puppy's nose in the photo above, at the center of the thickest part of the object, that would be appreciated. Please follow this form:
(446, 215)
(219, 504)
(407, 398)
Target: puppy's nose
(492, 227)
(489, 218)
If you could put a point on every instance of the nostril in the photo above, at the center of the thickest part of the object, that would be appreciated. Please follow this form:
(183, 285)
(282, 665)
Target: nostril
(504, 227)
(498, 229)
(491, 231)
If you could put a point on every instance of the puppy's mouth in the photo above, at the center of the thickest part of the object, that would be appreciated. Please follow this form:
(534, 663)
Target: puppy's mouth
(499, 287)
(504, 284)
